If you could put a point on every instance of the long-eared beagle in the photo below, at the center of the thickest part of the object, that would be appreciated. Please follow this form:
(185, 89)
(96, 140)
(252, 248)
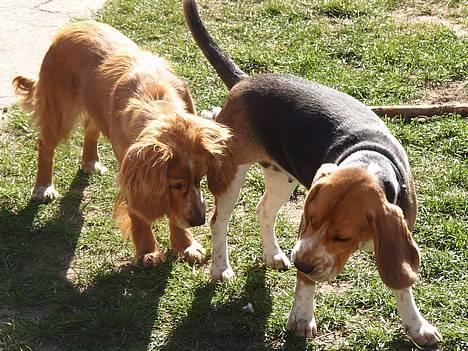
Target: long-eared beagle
(134, 99)
(361, 189)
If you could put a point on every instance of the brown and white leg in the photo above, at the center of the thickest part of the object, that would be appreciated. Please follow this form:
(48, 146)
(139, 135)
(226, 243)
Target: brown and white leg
(225, 203)
(90, 159)
(278, 189)
(301, 320)
(184, 245)
(419, 329)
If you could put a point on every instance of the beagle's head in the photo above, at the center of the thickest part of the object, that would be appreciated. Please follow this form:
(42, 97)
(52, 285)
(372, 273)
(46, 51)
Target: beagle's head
(345, 207)
(161, 172)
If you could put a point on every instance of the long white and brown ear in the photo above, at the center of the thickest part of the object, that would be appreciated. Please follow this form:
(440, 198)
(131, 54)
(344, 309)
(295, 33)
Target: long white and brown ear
(396, 253)
(143, 178)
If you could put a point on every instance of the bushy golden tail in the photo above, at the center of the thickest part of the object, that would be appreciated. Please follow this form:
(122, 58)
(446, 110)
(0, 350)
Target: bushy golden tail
(25, 88)
(121, 216)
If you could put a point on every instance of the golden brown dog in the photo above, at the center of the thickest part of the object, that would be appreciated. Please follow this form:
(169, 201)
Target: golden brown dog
(131, 97)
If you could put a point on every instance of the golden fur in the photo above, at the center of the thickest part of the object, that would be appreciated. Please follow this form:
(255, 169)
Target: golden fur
(146, 111)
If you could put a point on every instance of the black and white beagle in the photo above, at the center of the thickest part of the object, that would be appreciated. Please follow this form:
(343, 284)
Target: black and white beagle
(361, 189)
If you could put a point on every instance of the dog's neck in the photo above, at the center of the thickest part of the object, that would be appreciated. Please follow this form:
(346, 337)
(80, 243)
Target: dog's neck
(382, 168)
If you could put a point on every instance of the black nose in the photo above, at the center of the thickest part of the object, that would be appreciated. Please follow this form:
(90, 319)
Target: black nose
(303, 267)
(198, 220)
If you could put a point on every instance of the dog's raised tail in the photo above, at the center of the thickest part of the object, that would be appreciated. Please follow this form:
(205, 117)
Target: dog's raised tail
(25, 89)
(227, 70)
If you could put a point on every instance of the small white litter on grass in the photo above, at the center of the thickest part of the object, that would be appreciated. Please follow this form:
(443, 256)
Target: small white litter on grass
(248, 308)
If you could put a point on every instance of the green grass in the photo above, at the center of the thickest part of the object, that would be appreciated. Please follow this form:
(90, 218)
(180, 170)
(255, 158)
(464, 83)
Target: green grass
(66, 282)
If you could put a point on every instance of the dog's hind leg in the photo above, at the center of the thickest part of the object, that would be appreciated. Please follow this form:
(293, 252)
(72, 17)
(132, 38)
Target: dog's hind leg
(90, 158)
(44, 190)
(278, 189)
(53, 128)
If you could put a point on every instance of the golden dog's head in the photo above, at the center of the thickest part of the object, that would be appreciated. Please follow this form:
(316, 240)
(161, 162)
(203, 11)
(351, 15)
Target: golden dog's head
(161, 172)
(345, 207)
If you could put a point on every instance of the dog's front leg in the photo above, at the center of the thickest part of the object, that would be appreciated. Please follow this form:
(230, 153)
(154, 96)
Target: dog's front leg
(148, 252)
(301, 319)
(419, 329)
(184, 245)
(225, 202)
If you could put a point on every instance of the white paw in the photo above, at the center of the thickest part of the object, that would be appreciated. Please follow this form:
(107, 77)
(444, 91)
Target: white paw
(93, 167)
(210, 114)
(277, 261)
(424, 334)
(45, 194)
(195, 253)
(222, 274)
(301, 324)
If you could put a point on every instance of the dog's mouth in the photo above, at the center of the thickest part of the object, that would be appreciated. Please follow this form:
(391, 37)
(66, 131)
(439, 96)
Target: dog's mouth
(318, 272)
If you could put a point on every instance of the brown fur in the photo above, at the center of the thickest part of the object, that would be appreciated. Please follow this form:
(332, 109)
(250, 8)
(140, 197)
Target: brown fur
(146, 111)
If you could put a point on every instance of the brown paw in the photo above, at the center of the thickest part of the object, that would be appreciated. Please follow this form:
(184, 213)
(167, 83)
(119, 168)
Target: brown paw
(195, 253)
(151, 259)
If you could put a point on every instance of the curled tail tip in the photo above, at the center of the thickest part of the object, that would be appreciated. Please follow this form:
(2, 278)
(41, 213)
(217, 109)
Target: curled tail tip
(23, 85)
(25, 89)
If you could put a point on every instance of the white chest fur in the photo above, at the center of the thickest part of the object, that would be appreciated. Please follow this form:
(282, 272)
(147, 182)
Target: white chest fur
(366, 246)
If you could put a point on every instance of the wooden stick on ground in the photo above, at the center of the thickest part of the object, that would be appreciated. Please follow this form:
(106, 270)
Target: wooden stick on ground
(412, 111)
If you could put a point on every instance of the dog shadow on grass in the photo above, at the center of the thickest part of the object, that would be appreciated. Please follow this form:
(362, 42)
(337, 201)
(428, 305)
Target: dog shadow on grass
(42, 310)
(229, 326)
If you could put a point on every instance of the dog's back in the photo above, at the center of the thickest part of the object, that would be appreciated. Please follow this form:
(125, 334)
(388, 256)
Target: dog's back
(68, 82)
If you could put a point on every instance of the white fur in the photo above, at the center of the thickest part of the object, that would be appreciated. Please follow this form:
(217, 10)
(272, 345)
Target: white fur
(367, 246)
(322, 259)
(301, 319)
(221, 268)
(45, 193)
(207, 114)
(94, 167)
(418, 328)
(278, 189)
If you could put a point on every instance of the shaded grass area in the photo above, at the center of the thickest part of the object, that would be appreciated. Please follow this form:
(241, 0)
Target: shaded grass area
(67, 282)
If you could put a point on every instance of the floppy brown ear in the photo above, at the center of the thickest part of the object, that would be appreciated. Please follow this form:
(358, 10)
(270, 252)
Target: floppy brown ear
(396, 253)
(316, 207)
(213, 138)
(143, 179)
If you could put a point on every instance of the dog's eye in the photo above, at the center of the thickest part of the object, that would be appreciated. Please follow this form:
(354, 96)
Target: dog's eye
(179, 186)
(340, 239)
